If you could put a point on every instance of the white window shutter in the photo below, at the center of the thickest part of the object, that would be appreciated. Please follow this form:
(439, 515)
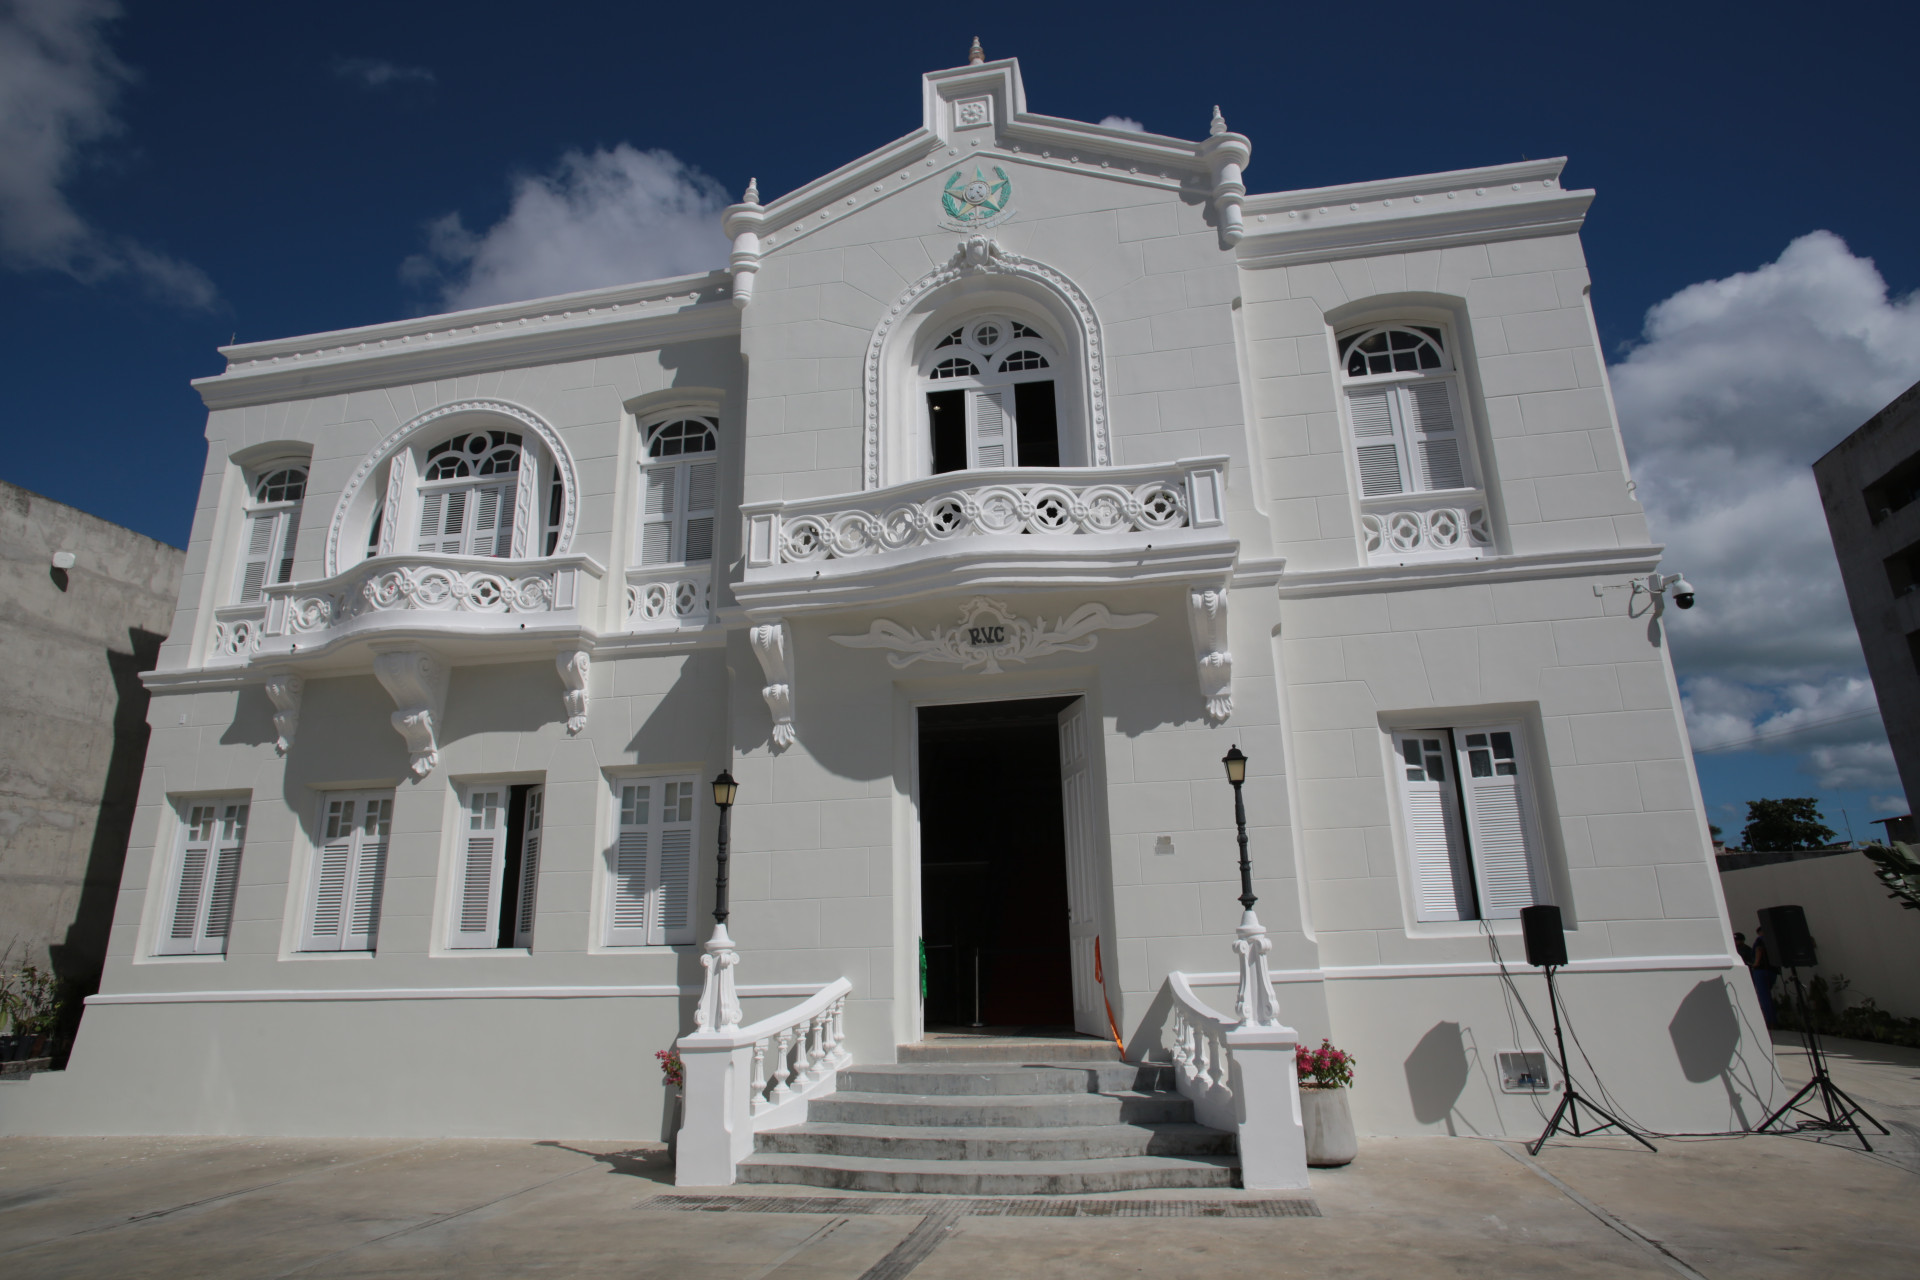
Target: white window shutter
(1492, 775)
(989, 429)
(1376, 444)
(674, 916)
(477, 880)
(256, 560)
(700, 511)
(627, 896)
(1428, 408)
(369, 870)
(443, 521)
(492, 527)
(657, 518)
(529, 865)
(289, 535)
(333, 865)
(1442, 886)
(218, 918)
(182, 925)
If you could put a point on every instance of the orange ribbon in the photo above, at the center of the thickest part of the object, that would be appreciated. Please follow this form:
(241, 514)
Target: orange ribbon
(1100, 977)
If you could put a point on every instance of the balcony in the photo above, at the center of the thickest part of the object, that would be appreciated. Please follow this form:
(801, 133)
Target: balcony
(1000, 528)
(663, 598)
(447, 598)
(1408, 528)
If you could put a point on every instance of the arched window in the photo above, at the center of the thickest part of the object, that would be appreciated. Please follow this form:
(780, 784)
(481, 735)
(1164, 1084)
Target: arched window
(1403, 402)
(990, 397)
(273, 525)
(679, 473)
(467, 491)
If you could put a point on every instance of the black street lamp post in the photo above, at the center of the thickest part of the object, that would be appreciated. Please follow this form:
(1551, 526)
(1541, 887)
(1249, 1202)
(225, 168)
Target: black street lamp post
(724, 789)
(1236, 762)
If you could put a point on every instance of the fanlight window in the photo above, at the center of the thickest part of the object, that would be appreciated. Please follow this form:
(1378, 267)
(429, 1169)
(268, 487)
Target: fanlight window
(679, 476)
(1403, 403)
(467, 492)
(273, 526)
(992, 403)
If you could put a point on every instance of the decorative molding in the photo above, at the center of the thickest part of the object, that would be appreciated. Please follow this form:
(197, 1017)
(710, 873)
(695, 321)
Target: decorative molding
(719, 1006)
(1456, 531)
(417, 681)
(745, 259)
(1207, 616)
(549, 438)
(1228, 154)
(1255, 1004)
(357, 994)
(1420, 576)
(773, 645)
(657, 600)
(428, 588)
(989, 634)
(285, 690)
(573, 664)
(238, 632)
(982, 255)
(972, 113)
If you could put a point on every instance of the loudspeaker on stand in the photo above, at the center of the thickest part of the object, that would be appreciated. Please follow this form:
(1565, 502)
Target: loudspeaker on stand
(1546, 940)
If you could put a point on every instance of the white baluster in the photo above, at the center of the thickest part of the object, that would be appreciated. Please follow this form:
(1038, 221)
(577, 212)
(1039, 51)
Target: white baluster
(841, 1054)
(758, 1094)
(813, 1038)
(782, 1071)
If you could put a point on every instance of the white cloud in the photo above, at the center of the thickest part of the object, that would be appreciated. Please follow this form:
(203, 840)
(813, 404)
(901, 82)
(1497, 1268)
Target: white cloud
(1895, 803)
(1735, 387)
(1122, 122)
(377, 73)
(58, 85)
(599, 218)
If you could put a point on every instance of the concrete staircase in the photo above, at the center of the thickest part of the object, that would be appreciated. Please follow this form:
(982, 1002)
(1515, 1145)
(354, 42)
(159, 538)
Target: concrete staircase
(987, 1117)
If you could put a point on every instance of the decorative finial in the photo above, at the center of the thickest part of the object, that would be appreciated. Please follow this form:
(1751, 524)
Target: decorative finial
(976, 55)
(1219, 124)
(753, 192)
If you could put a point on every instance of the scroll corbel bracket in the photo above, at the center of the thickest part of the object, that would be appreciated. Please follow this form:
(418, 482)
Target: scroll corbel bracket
(284, 692)
(573, 664)
(416, 680)
(773, 646)
(1207, 614)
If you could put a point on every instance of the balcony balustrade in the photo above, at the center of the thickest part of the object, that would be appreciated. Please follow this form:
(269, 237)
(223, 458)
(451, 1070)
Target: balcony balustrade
(662, 598)
(1407, 528)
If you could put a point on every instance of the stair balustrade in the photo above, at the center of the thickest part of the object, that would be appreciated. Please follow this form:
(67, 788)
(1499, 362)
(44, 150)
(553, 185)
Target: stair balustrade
(741, 1080)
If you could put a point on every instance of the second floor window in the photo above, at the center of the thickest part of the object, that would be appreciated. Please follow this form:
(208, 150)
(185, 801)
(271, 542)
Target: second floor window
(1402, 400)
(273, 525)
(679, 473)
(990, 397)
(467, 490)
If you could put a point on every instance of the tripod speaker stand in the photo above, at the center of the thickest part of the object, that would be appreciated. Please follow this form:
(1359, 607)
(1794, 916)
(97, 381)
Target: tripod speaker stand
(1785, 929)
(1547, 949)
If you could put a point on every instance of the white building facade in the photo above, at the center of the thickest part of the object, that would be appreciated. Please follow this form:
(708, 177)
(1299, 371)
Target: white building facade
(1003, 480)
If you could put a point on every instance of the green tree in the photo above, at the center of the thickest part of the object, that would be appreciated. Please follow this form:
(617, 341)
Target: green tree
(1783, 825)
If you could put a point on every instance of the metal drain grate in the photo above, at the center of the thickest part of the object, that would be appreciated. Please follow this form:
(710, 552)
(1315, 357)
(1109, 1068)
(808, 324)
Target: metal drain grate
(1033, 1207)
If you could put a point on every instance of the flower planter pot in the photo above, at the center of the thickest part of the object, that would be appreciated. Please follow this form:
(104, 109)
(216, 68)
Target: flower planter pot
(678, 1116)
(1328, 1121)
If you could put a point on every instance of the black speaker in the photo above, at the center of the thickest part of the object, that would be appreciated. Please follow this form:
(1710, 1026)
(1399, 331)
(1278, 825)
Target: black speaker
(1546, 943)
(1789, 945)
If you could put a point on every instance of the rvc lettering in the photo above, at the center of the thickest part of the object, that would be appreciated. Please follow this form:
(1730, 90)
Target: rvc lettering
(977, 636)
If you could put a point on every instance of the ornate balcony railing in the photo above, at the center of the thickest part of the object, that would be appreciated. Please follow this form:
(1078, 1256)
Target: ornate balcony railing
(1442, 526)
(1078, 502)
(238, 631)
(661, 598)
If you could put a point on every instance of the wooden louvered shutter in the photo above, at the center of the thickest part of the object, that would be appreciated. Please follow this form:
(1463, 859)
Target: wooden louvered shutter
(491, 533)
(369, 869)
(989, 430)
(699, 517)
(1442, 881)
(529, 866)
(657, 518)
(443, 522)
(477, 888)
(627, 896)
(333, 865)
(1498, 824)
(673, 914)
(1376, 445)
(182, 925)
(256, 561)
(225, 882)
(289, 535)
(1428, 410)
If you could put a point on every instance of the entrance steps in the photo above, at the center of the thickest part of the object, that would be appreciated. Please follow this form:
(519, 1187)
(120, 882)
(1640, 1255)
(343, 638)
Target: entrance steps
(986, 1117)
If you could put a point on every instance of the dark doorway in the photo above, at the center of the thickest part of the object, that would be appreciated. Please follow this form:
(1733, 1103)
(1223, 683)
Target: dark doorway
(993, 866)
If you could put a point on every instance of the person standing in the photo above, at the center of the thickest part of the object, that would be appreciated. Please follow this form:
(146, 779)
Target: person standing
(1745, 951)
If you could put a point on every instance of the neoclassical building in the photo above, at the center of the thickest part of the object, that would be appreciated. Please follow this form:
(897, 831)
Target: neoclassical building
(1004, 479)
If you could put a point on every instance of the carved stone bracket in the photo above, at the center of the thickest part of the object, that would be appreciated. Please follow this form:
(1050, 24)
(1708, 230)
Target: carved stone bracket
(1207, 612)
(285, 691)
(989, 634)
(773, 645)
(573, 664)
(417, 682)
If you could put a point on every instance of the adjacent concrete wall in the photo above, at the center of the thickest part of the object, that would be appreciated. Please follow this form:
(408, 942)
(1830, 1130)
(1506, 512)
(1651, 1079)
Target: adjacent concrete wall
(73, 721)
(1859, 930)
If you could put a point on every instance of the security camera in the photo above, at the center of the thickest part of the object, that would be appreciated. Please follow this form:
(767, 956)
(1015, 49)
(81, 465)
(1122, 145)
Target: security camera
(1683, 593)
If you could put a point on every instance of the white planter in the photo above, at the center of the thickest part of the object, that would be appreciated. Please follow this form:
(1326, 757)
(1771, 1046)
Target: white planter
(1328, 1122)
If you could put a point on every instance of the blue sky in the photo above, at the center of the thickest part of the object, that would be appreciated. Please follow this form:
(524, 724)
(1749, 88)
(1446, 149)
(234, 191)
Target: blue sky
(173, 174)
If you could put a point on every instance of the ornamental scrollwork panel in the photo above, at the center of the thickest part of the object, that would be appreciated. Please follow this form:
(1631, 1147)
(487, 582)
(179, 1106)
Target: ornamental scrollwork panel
(989, 634)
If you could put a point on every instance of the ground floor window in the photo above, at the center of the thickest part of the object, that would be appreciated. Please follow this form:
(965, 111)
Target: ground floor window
(650, 893)
(1472, 827)
(498, 865)
(342, 911)
(202, 877)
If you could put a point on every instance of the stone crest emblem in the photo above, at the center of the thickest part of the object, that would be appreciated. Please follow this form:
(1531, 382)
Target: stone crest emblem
(980, 201)
(989, 634)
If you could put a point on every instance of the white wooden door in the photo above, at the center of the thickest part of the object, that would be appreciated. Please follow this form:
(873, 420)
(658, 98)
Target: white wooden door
(1084, 916)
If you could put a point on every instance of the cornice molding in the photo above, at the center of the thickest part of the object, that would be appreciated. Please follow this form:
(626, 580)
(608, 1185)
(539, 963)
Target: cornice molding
(1419, 577)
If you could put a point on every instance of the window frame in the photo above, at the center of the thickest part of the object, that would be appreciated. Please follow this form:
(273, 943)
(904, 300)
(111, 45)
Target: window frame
(653, 929)
(679, 468)
(1479, 870)
(989, 383)
(282, 530)
(226, 833)
(1404, 410)
(360, 862)
(462, 881)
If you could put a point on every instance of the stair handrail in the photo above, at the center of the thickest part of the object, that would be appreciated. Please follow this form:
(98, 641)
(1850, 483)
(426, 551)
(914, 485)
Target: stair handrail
(1240, 1076)
(741, 1080)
